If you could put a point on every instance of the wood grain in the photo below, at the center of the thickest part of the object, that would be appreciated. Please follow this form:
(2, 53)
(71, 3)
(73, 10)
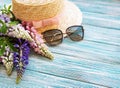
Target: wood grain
(33, 79)
(91, 63)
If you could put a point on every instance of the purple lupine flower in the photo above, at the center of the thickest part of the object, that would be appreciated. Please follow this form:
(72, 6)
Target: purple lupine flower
(21, 57)
(38, 43)
(5, 18)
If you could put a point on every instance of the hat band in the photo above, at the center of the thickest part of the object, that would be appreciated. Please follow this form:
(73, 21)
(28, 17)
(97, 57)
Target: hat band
(47, 22)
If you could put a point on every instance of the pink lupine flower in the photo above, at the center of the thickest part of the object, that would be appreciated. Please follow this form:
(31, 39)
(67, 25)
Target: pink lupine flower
(38, 43)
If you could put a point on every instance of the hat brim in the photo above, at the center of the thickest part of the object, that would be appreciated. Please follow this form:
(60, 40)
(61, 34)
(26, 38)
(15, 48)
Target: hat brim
(71, 15)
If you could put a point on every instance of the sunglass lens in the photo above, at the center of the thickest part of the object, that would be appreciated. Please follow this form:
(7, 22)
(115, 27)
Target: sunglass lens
(76, 33)
(53, 37)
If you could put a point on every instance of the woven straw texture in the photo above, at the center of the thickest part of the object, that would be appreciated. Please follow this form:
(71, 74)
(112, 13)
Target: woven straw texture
(36, 12)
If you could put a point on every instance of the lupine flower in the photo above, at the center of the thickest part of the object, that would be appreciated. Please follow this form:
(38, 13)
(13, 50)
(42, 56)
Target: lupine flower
(5, 18)
(39, 46)
(19, 32)
(4, 22)
(15, 31)
(21, 58)
(38, 43)
(15, 41)
(7, 60)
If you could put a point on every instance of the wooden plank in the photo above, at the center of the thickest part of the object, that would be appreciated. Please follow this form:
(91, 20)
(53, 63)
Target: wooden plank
(78, 69)
(103, 35)
(104, 16)
(33, 79)
(115, 3)
(90, 50)
(99, 8)
(94, 60)
(101, 21)
(98, 19)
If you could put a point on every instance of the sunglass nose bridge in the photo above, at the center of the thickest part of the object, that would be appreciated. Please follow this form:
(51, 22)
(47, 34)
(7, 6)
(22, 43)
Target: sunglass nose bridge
(56, 34)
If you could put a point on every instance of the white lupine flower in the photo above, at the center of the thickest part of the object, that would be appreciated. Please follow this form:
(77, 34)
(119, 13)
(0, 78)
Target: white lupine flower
(7, 60)
(19, 32)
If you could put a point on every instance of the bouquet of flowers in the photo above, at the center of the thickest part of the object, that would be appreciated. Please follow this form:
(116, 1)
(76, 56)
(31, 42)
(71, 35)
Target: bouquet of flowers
(16, 40)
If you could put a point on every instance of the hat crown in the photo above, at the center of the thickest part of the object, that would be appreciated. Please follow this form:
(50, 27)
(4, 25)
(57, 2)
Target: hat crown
(35, 10)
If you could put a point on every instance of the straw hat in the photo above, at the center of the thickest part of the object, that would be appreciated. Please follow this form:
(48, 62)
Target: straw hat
(47, 14)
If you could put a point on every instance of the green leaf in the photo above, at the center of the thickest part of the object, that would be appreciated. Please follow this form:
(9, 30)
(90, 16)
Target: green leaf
(5, 6)
(6, 10)
(2, 50)
(11, 46)
(13, 23)
(6, 41)
(2, 22)
(12, 16)
(9, 42)
(3, 29)
(9, 7)
(1, 42)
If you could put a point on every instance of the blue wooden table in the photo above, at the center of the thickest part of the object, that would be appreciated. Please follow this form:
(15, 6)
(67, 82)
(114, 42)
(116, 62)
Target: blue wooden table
(91, 63)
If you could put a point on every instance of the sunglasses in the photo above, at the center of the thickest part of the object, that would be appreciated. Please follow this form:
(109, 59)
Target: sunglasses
(54, 37)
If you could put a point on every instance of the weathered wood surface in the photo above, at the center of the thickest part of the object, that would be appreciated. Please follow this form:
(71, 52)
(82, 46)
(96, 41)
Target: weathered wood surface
(91, 63)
